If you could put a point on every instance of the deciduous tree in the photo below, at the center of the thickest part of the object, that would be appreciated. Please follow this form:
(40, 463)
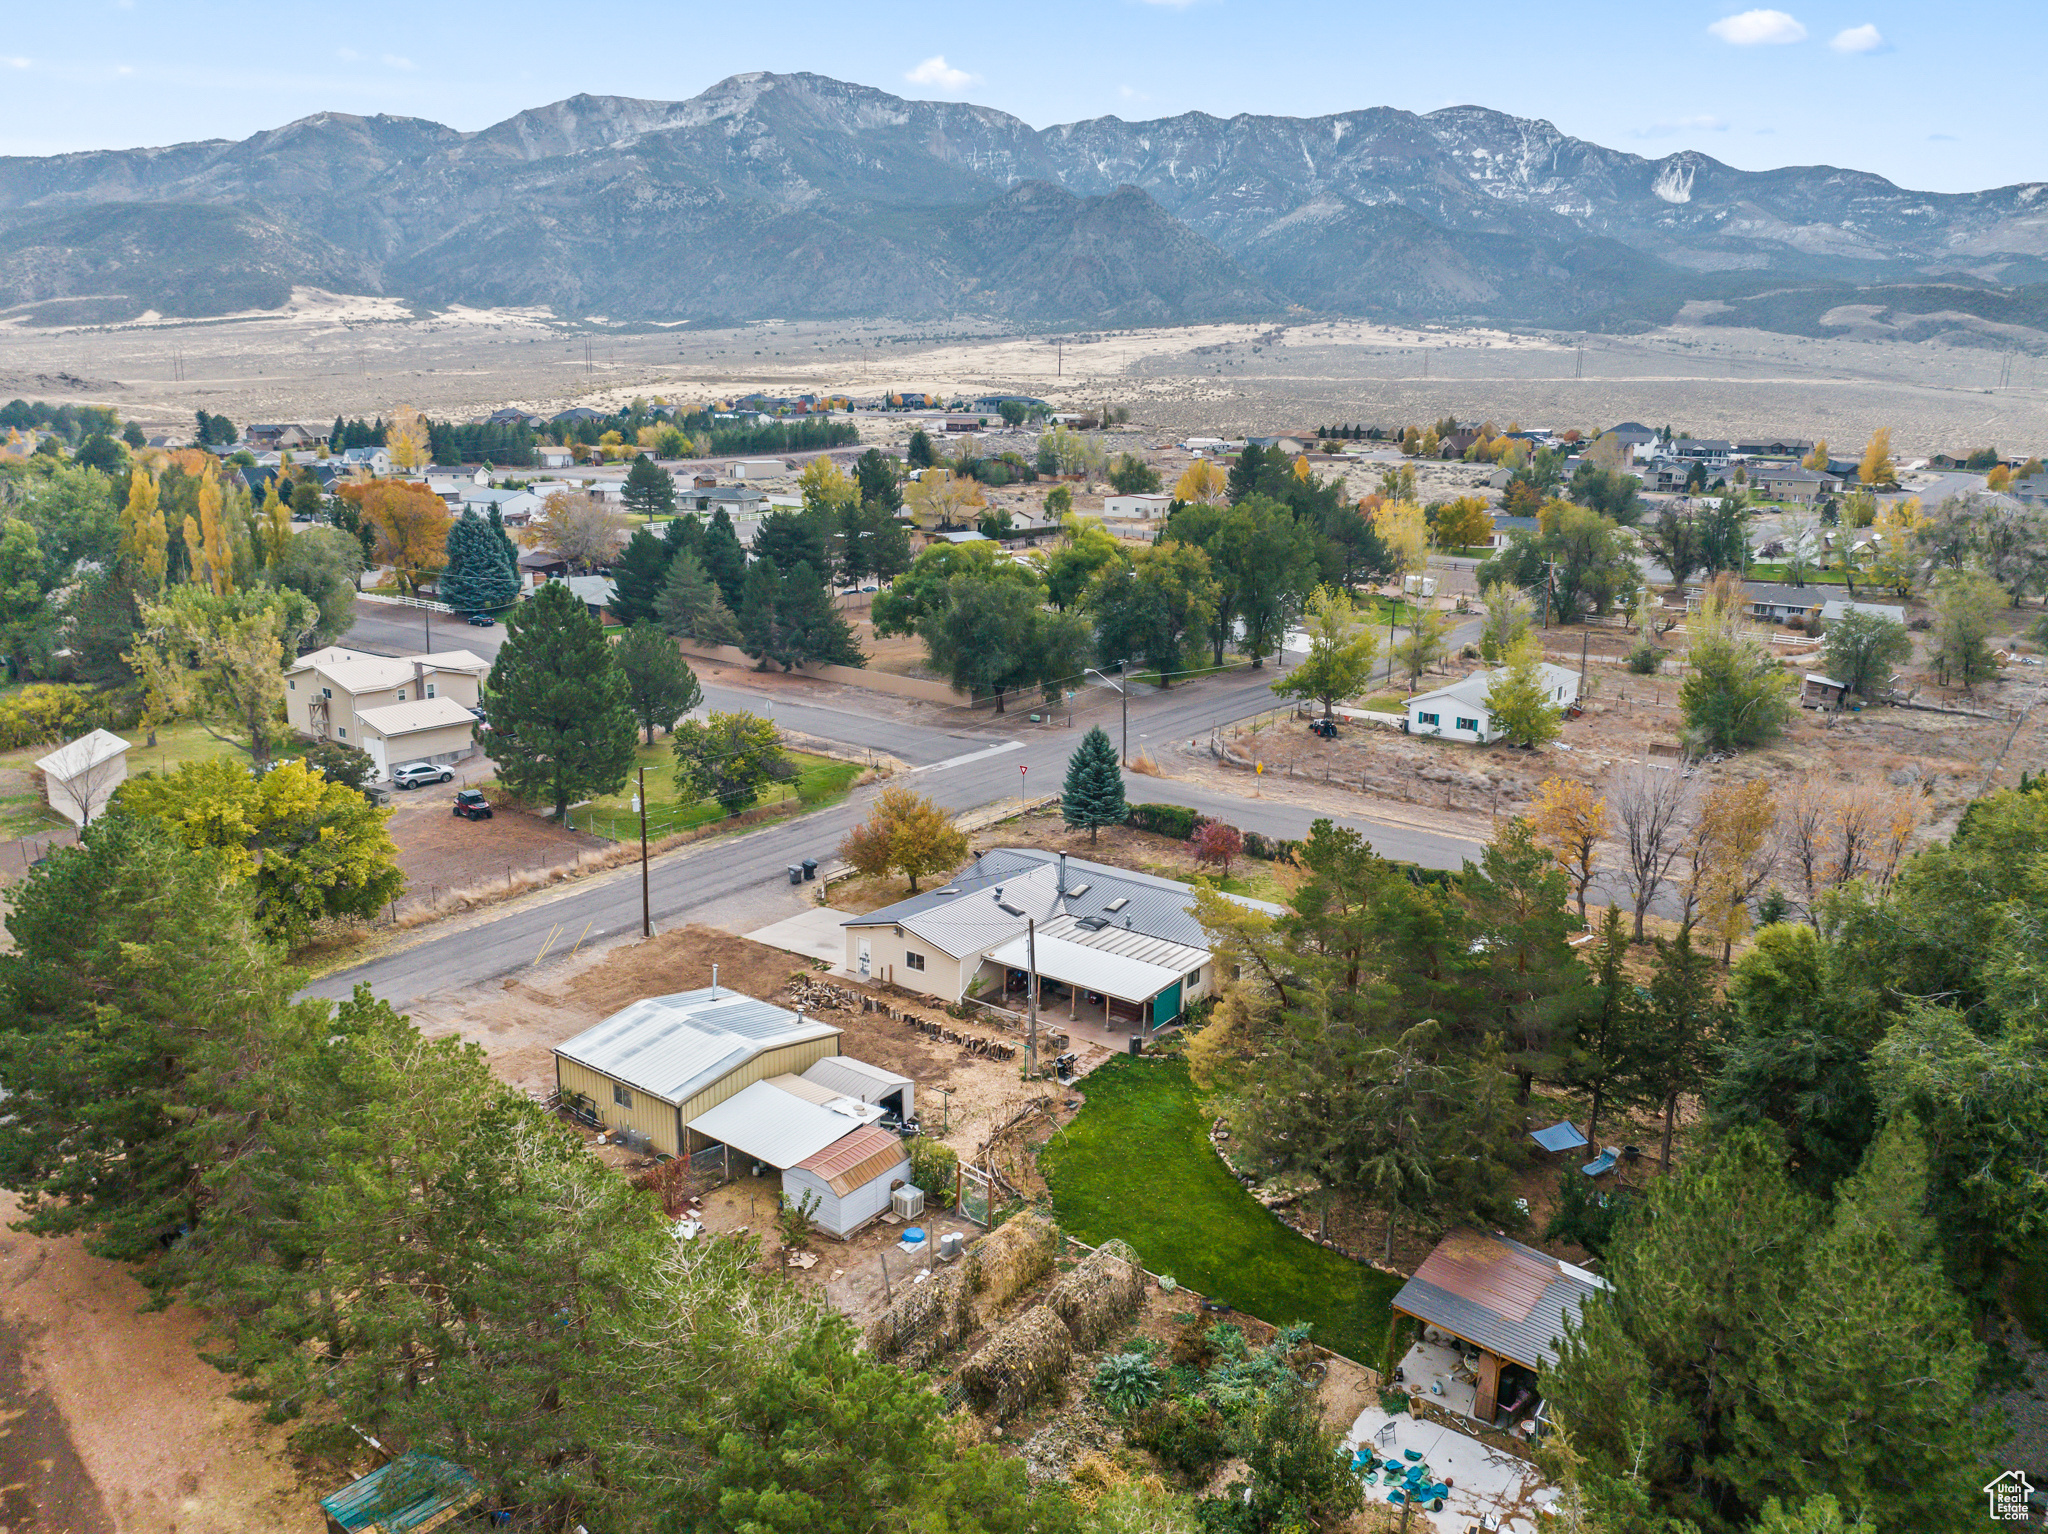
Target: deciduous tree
(580, 529)
(1217, 842)
(1736, 695)
(1569, 821)
(730, 757)
(1341, 649)
(1149, 609)
(1519, 700)
(312, 849)
(907, 833)
(1877, 471)
(1652, 809)
(411, 523)
(1966, 606)
(218, 659)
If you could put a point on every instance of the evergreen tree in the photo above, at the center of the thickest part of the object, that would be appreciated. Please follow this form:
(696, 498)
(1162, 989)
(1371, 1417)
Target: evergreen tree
(760, 616)
(687, 594)
(725, 559)
(638, 575)
(919, 453)
(1686, 1018)
(791, 538)
(875, 476)
(683, 535)
(1519, 920)
(649, 490)
(659, 683)
(1094, 791)
(812, 628)
(477, 579)
(508, 554)
(561, 724)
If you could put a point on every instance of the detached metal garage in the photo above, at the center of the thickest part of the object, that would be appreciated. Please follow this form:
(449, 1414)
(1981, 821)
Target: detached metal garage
(851, 1179)
(866, 1083)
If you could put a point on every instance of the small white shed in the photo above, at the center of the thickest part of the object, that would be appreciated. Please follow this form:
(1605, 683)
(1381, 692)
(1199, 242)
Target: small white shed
(850, 1178)
(866, 1083)
(79, 778)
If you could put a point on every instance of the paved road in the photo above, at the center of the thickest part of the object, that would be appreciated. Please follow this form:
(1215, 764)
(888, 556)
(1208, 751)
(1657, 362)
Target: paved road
(973, 765)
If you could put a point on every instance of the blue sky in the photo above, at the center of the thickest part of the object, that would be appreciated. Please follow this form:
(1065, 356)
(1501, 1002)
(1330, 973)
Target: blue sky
(1935, 97)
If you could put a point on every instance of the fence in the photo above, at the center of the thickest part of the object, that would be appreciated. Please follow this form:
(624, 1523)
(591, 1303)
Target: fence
(391, 601)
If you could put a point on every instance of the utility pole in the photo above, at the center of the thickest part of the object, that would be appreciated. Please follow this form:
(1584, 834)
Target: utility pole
(1585, 640)
(646, 905)
(1031, 1038)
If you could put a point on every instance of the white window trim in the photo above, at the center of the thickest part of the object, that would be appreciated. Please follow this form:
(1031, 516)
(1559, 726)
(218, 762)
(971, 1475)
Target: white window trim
(913, 960)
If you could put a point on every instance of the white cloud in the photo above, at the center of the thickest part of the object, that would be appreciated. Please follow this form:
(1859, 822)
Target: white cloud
(1683, 125)
(15, 63)
(398, 61)
(936, 71)
(1132, 93)
(1749, 28)
(1943, 138)
(1863, 39)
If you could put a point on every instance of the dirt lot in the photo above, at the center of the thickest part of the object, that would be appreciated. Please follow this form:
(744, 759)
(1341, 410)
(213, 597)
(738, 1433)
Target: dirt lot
(1627, 718)
(441, 855)
(114, 1425)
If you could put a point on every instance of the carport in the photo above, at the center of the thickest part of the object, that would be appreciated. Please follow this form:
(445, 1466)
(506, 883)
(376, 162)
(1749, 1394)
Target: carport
(1128, 990)
(774, 1127)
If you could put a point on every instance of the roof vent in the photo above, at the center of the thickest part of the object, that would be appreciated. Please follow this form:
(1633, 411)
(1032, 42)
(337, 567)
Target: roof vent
(1004, 905)
(1118, 904)
(1077, 891)
(1127, 923)
(1092, 923)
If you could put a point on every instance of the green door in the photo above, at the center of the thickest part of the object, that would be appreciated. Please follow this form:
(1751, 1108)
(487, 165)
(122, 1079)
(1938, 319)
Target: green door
(1166, 1005)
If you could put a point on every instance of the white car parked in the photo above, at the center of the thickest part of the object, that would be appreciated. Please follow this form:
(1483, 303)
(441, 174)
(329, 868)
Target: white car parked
(418, 774)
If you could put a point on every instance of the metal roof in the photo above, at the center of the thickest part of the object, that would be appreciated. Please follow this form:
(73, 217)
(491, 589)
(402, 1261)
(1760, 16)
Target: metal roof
(443, 1491)
(411, 717)
(1030, 879)
(1835, 607)
(856, 1160)
(1508, 1298)
(767, 1123)
(1473, 690)
(849, 1077)
(82, 755)
(1090, 968)
(1126, 942)
(673, 1047)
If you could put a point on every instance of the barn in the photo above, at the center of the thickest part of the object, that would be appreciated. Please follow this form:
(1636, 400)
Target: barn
(654, 1066)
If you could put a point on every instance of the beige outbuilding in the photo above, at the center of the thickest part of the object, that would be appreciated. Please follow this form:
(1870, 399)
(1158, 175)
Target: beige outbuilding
(79, 778)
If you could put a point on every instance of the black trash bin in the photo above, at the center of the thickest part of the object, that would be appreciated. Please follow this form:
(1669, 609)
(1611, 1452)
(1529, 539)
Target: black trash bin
(810, 868)
(796, 873)
(1137, 1043)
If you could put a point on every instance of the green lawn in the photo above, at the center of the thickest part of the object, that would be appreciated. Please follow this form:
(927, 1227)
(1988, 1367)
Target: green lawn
(1136, 1164)
(176, 744)
(821, 780)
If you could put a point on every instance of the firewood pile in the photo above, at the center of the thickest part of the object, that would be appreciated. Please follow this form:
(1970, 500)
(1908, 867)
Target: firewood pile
(808, 995)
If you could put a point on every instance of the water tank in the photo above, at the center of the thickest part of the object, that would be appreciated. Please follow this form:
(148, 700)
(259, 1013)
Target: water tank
(951, 1245)
(907, 1203)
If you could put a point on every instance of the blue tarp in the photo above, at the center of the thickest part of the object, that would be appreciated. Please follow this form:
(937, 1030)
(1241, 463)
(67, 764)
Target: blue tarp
(1561, 1136)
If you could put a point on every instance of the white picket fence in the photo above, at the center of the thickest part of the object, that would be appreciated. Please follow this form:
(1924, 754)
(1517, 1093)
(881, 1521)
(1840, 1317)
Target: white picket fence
(391, 601)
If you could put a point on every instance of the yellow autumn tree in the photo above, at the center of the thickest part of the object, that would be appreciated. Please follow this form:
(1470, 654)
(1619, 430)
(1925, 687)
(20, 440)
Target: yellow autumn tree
(274, 529)
(1818, 458)
(1735, 856)
(1569, 820)
(1301, 469)
(144, 539)
(1405, 531)
(405, 438)
(1877, 471)
(1999, 478)
(1895, 556)
(1201, 484)
(941, 499)
(210, 556)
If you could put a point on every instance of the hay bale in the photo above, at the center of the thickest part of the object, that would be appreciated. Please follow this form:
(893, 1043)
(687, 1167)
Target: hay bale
(1099, 1295)
(1020, 1363)
(928, 1321)
(1011, 1258)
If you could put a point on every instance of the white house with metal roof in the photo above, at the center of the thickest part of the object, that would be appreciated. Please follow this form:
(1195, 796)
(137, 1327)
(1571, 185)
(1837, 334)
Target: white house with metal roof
(664, 1061)
(1112, 945)
(1460, 711)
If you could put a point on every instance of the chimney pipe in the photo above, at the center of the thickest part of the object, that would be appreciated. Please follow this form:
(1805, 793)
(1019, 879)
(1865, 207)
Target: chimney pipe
(714, 982)
(1063, 876)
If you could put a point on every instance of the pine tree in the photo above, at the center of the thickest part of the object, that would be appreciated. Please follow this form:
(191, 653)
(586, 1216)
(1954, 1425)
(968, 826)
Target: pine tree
(649, 491)
(683, 535)
(725, 559)
(1094, 791)
(638, 575)
(812, 628)
(659, 683)
(477, 578)
(561, 724)
(1686, 1017)
(760, 616)
(687, 594)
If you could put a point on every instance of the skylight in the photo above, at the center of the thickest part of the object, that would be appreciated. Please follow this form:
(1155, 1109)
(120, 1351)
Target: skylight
(1118, 904)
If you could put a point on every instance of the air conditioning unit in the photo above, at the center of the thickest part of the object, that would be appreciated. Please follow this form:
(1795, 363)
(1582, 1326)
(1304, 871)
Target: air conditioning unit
(907, 1203)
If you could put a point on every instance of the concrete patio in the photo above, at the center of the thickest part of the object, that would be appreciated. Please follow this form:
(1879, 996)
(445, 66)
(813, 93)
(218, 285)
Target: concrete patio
(1490, 1488)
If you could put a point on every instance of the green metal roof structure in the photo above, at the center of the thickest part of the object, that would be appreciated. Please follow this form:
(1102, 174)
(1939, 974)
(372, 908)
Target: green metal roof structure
(412, 1495)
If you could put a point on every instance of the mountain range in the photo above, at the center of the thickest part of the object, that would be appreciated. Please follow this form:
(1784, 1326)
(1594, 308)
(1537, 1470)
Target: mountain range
(799, 196)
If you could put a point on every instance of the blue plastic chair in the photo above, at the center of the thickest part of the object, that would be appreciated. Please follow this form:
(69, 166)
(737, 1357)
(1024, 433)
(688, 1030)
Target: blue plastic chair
(1602, 1164)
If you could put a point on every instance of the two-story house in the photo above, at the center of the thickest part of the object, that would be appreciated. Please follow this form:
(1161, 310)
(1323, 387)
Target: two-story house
(399, 708)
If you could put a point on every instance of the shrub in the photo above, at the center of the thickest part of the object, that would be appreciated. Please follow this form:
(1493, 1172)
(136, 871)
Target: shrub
(44, 714)
(1186, 1435)
(933, 1165)
(1127, 1382)
(1269, 849)
(1644, 659)
(1163, 820)
(1216, 842)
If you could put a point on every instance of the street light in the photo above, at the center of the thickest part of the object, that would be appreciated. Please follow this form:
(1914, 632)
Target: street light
(1122, 693)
